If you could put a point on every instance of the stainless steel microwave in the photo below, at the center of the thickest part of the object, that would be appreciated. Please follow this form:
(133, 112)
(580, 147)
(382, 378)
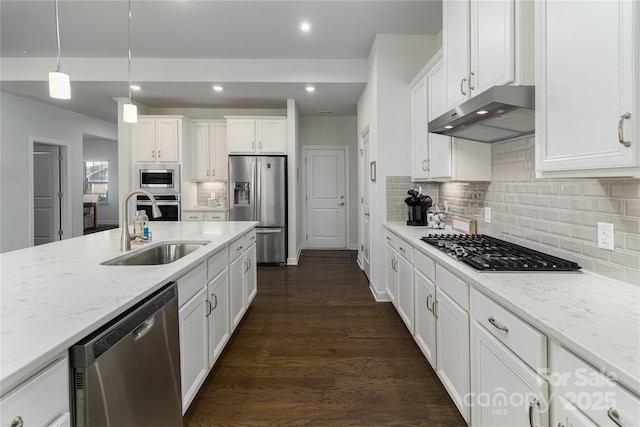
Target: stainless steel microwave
(159, 178)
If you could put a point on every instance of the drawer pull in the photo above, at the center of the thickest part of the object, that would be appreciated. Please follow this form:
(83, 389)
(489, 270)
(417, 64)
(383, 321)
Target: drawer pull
(534, 402)
(239, 248)
(492, 320)
(402, 249)
(615, 416)
(17, 422)
(388, 238)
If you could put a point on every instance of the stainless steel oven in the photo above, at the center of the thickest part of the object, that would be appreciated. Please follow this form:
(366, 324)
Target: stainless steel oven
(158, 178)
(169, 205)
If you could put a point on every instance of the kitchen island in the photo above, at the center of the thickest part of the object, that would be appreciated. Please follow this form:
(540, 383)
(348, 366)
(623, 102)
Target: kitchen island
(55, 294)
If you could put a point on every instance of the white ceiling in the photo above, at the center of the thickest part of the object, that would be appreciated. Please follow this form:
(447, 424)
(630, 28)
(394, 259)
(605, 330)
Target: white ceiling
(180, 47)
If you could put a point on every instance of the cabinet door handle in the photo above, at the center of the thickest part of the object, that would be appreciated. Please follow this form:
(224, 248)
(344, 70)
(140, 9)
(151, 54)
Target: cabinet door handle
(209, 309)
(470, 86)
(153, 154)
(434, 308)
(430, 308)
(341, 204)
(620, 131)
(615, 416)
(213, 172)
(424, 165)
(159, 153)
(534, 402)
(261, 145)
(207, 172)
(253, 145)
(496, 325)
(461, 85)
(215, 301)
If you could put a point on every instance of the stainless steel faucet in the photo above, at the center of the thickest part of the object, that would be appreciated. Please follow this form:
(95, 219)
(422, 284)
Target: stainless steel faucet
(125, 237)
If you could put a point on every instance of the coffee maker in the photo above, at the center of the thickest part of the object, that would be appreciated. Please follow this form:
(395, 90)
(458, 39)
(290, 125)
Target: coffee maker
(417, 206)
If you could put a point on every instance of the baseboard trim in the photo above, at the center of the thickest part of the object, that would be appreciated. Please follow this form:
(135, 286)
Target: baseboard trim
(378, 296)
(294, 261)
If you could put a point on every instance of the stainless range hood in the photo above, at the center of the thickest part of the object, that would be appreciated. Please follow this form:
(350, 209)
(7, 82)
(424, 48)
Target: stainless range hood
(496, 114)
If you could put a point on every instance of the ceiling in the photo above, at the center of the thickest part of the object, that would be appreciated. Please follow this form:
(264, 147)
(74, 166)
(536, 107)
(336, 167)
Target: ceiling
(254, 49)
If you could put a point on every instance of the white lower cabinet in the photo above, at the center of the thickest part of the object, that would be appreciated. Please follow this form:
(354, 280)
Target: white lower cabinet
(582, 391)
(194, 362)
(452, 350)
(391, 274)
(405, 289)
(212, 298)
(504, 390)
(43, 400)
(218, 315)
(425, 321)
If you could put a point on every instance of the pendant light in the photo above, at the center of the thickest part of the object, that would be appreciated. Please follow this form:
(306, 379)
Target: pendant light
(59, 86)
(129, 110)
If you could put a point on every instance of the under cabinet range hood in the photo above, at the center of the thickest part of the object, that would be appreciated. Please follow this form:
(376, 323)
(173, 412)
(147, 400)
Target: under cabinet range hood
(499, 113)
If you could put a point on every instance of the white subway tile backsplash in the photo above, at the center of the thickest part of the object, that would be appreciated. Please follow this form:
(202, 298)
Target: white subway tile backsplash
(551, 215)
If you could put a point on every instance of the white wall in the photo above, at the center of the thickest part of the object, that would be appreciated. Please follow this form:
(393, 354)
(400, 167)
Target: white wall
(99, 149)
(23, 121)
(385, 106)
(338, 130)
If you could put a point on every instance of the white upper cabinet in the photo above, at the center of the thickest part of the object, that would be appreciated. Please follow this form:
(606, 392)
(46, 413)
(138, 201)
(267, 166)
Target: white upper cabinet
(157, 139)
(587, 96)
(266, 135)
(438, 157)
(486, 43)
(209, 150)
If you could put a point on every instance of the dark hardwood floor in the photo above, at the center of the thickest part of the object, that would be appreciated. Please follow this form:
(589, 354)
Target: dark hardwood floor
(316, 349)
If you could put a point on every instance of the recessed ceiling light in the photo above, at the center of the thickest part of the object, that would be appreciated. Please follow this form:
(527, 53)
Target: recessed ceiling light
(310, 88)
(305, 26)
(448, 127)
(218, 88)
(135, 87)
(481, 112)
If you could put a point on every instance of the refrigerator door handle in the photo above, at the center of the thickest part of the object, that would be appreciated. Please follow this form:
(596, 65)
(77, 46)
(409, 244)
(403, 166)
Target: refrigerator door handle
(253, 197)
(269, 231)
(258, 192)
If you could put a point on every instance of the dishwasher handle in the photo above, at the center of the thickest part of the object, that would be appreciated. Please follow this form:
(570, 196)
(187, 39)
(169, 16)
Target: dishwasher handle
(137, 321)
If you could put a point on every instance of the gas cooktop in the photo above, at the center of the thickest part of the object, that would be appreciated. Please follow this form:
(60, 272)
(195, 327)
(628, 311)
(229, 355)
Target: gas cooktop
(486, 253)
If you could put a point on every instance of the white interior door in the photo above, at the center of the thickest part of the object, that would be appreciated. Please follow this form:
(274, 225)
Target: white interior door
(326, 198)
(46, 194)
(365, 245)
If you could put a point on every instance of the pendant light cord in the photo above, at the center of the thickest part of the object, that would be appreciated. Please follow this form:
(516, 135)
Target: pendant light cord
(59, 69)
(129, 51)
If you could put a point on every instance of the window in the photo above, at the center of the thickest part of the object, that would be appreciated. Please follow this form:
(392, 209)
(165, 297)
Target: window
(96, 180)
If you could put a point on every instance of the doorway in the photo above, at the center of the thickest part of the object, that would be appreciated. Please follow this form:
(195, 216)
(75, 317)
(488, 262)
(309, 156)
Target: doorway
(365, 201)
(48, 196)
(326, 169)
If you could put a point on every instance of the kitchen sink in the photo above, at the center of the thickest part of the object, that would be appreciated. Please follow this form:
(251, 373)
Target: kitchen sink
(161, 253)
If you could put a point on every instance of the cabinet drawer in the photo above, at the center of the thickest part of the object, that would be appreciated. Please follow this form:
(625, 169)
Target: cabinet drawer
(425, 265)
(191, 283)
(43, 400)
(250, 238)
(405, 249)
(525, 341)
(193, 216)
(455, 287)
(217, 263)
(390, 238)
(236, 248)
(215, 216)
(590, 391)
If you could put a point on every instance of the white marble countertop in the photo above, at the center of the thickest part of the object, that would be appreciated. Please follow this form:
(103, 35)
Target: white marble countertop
(53, 295)
(593, 315)
(206, 209)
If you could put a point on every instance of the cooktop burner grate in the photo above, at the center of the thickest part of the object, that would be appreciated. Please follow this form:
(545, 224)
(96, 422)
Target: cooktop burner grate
(486, 253)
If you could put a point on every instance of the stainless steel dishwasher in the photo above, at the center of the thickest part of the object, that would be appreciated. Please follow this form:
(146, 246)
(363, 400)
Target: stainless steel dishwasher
(128, 372)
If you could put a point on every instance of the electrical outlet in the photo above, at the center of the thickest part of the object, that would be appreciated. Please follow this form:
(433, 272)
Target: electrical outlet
(446, 206)
(487, 215)
(605, 236)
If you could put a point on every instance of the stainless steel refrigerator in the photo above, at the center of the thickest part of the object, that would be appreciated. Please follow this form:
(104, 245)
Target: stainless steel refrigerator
(258, 192)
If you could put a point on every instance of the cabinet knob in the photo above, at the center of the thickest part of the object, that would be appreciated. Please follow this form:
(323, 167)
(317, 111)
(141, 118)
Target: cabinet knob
(17, 422)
